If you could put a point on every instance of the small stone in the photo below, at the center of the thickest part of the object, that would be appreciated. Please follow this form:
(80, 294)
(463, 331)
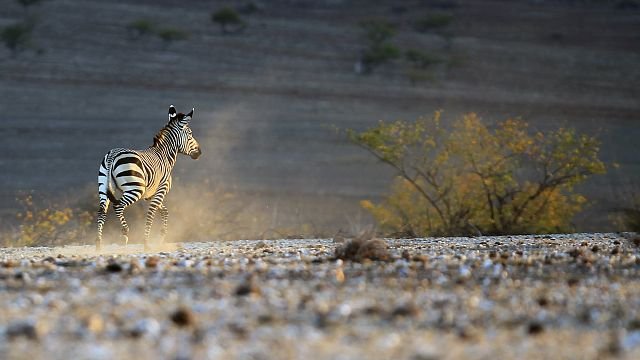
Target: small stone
(575, 253)
(94, 323)
(113, 267)
(248, 287)
(152, 262)
(543, 301)
(535, 328)
(339, 275)
(406, 255)
(9, 264)
(573, 281)
(142, 327)
(595, 248)
(405, 310)
(183, 317)
(28, 329)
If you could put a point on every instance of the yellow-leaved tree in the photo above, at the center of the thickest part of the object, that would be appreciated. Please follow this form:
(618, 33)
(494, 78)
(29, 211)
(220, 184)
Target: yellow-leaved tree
(472, 179)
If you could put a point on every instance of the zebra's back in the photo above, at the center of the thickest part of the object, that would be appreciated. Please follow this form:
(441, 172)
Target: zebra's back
(134, 173)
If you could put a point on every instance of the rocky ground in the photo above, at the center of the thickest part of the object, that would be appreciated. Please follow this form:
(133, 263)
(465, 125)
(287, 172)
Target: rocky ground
(561, 296)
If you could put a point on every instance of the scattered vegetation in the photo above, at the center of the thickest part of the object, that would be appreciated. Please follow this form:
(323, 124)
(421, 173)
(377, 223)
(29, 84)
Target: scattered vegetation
(16, 37)
(433, 22)
(140, 27)
(26, 4)
(50, 224)
(470, 179)
(249, 8)
(420, 59)
(421, 65)
(229, 20)
(378, 34)
(171, 34)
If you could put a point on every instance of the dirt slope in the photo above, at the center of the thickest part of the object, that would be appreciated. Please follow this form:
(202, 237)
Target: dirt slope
(265, 98)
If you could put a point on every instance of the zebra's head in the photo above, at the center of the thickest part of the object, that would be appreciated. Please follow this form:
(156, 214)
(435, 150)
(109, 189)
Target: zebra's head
(186, 143)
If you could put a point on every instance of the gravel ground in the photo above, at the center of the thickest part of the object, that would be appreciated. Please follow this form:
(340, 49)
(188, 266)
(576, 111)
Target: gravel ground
(560, 296)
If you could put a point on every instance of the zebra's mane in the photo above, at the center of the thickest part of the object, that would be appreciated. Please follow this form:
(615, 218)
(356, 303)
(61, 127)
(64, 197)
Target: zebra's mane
(166, 129)
(162, 134)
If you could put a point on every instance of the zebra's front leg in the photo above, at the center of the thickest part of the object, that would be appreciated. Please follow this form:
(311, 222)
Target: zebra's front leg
(154, 205)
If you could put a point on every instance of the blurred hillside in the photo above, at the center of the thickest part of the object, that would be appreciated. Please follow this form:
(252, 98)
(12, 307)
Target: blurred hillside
(267, 97)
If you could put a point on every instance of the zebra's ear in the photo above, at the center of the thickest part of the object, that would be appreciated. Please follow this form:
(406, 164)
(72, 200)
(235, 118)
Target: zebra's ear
(172, 112)
(190, 114)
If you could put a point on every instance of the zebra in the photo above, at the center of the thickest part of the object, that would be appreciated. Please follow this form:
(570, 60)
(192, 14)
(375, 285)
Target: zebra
(126, 176)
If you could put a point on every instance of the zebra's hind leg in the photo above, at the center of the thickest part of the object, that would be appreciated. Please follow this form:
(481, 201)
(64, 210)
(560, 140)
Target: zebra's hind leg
(127, 199)
(102, 216)
(164, 214)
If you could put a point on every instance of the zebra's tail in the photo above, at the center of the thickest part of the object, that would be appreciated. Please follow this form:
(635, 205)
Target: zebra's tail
(104, 175)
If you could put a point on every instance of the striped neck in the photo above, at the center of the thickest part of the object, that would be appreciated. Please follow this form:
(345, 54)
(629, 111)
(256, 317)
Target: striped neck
(164, 145)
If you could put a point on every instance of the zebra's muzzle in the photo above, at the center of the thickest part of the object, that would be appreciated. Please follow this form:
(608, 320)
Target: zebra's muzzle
(196, 154)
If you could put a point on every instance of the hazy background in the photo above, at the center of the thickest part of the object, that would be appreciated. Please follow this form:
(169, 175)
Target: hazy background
(266, 98)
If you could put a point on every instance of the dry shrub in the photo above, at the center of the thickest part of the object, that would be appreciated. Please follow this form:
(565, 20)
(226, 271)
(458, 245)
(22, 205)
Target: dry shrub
(45, 222)
(471, 179)
(363, 247)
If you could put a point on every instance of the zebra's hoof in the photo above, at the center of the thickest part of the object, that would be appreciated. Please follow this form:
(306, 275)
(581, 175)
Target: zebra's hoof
(125, 238)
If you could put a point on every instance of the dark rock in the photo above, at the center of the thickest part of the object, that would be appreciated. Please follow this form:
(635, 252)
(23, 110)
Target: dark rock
(113, 267)
(248, 287)
(23, 328)
(183, 317)
(535, 328)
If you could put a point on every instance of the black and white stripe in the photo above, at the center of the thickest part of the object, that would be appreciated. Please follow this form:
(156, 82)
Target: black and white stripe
(126, 176)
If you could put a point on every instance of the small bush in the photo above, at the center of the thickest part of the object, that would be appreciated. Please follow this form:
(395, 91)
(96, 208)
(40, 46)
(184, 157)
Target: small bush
(51, 224)
(470, 179)
(433, 22)
(378, 34)
(228, 19)
(380, 54)
(28, 3)
(378, 31)
(170, 34)
(16, 37)
(420, 59)
(140, 27)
